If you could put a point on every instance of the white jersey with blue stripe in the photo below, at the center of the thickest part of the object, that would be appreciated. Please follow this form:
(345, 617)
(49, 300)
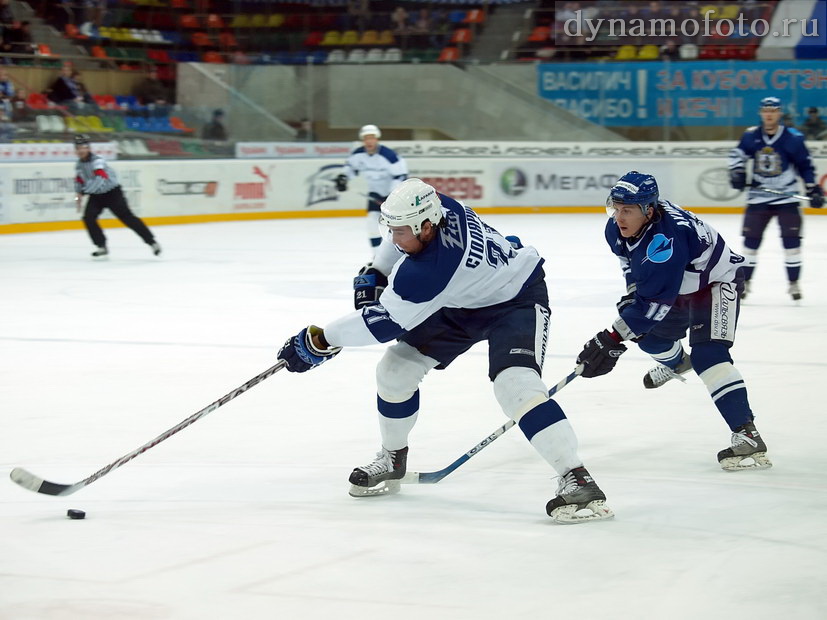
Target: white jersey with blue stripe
(775, 161)
(383, 169)
(677, 254)
(468, 265)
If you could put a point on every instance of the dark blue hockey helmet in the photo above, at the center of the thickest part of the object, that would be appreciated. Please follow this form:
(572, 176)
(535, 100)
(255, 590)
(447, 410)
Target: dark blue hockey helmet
(771, 102)
(633, 188)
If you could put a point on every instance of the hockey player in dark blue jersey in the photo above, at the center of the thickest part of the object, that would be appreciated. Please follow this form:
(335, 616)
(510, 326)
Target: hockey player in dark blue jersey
(679, 273)
(778, 153)
(453, 281)
(381, 167)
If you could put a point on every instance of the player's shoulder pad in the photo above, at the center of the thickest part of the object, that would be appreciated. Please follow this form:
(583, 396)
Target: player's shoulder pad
(751, 129)
(357, 150)
(795, 133)
(388, 154)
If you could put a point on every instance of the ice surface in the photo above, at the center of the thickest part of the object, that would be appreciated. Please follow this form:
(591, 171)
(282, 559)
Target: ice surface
(246, 514)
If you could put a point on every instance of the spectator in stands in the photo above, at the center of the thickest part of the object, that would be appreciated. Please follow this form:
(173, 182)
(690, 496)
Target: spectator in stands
(215, 130)
(85, 96)
(669, 51)
(6, 91)
(814, 128)
(64, 90)
(6, 16)
(358, 15)
(7, 128)
(399, 22)
(19, 39)
(151, 92)
(440, 28)
(421, 29)
(21, 112)
(305, 132)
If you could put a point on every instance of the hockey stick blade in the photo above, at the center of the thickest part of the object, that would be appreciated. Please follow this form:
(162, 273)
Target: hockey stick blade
(29, 481)
(432, 477)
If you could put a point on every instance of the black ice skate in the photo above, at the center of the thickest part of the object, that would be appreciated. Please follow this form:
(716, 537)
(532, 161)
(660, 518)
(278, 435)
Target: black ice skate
(382, 477)
(794, 290)
(748, 450)
(660, 374)
(156, 248)
(578, 499)
(100, 251)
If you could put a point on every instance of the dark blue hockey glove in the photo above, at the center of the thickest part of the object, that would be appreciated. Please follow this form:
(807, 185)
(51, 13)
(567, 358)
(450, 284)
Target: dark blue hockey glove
(599, 355)
(300, 353)
(368, 286)
(738, 178)
(341, 182)
(815, 195)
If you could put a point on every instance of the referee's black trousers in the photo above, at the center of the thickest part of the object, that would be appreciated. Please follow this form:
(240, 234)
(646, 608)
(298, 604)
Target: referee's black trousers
(115, 201)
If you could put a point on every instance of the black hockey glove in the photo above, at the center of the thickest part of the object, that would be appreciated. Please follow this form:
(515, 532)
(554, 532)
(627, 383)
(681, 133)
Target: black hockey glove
(738, 178)
(368, 286)
(341, 182)
(815, 195)
(300, 353)
(600, 354)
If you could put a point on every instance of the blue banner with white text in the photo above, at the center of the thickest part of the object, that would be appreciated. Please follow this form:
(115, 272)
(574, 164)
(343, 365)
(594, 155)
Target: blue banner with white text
(698, 93)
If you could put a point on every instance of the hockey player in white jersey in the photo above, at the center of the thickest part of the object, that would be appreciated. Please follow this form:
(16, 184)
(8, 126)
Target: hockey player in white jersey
(778, 154)
(453, 281)
(679, 273)
(381, 167)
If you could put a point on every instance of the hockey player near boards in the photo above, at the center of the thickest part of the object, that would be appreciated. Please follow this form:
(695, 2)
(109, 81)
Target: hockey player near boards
(383, 170)
(778, 153)
(453, 281)
(95, 177)
(679, 272)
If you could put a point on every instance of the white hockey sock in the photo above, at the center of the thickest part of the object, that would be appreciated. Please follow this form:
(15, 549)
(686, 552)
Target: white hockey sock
(557, 444)
(722, 379)
(671, 357)
(395, 431)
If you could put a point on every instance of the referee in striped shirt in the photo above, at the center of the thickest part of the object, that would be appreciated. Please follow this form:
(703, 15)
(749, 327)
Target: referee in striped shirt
(93, 176)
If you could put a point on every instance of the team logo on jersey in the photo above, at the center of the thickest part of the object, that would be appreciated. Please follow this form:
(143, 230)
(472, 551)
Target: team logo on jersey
(513, 182)
(660, 249)
(768, 162)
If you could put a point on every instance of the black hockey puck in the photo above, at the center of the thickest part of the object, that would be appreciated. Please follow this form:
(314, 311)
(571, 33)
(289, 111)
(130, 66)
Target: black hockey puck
(75, 514)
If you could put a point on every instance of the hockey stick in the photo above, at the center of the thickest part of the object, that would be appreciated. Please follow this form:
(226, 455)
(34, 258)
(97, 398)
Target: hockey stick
(39, 485)
(432, 477)
(768, 190)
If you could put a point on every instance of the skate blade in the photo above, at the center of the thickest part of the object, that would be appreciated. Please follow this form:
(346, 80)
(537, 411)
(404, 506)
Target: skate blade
(594, 511)
(758, 460)
(388, 487)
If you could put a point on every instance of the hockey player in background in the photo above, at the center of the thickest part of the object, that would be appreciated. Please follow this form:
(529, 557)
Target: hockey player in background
(778, 153)
(93, 176)
(383, 170)
(453, 281)
(679, 273)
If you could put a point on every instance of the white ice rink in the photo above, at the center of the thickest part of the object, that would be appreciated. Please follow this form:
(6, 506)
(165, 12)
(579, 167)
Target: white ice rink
(245, 514)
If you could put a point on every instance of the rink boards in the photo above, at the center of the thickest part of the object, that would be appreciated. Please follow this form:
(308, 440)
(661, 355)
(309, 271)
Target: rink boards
(40, 196)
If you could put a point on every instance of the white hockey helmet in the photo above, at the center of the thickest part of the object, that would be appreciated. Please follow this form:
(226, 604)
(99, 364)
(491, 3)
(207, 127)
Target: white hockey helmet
(410, 204)
(369, 130)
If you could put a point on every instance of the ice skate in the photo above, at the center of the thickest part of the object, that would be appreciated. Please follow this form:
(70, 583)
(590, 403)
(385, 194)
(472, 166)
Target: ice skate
(578, 499)
(746, 290)
(748, 450)
(100, 251)
(794, 290)
(382, 477)
(660, 374)
(156, 248)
